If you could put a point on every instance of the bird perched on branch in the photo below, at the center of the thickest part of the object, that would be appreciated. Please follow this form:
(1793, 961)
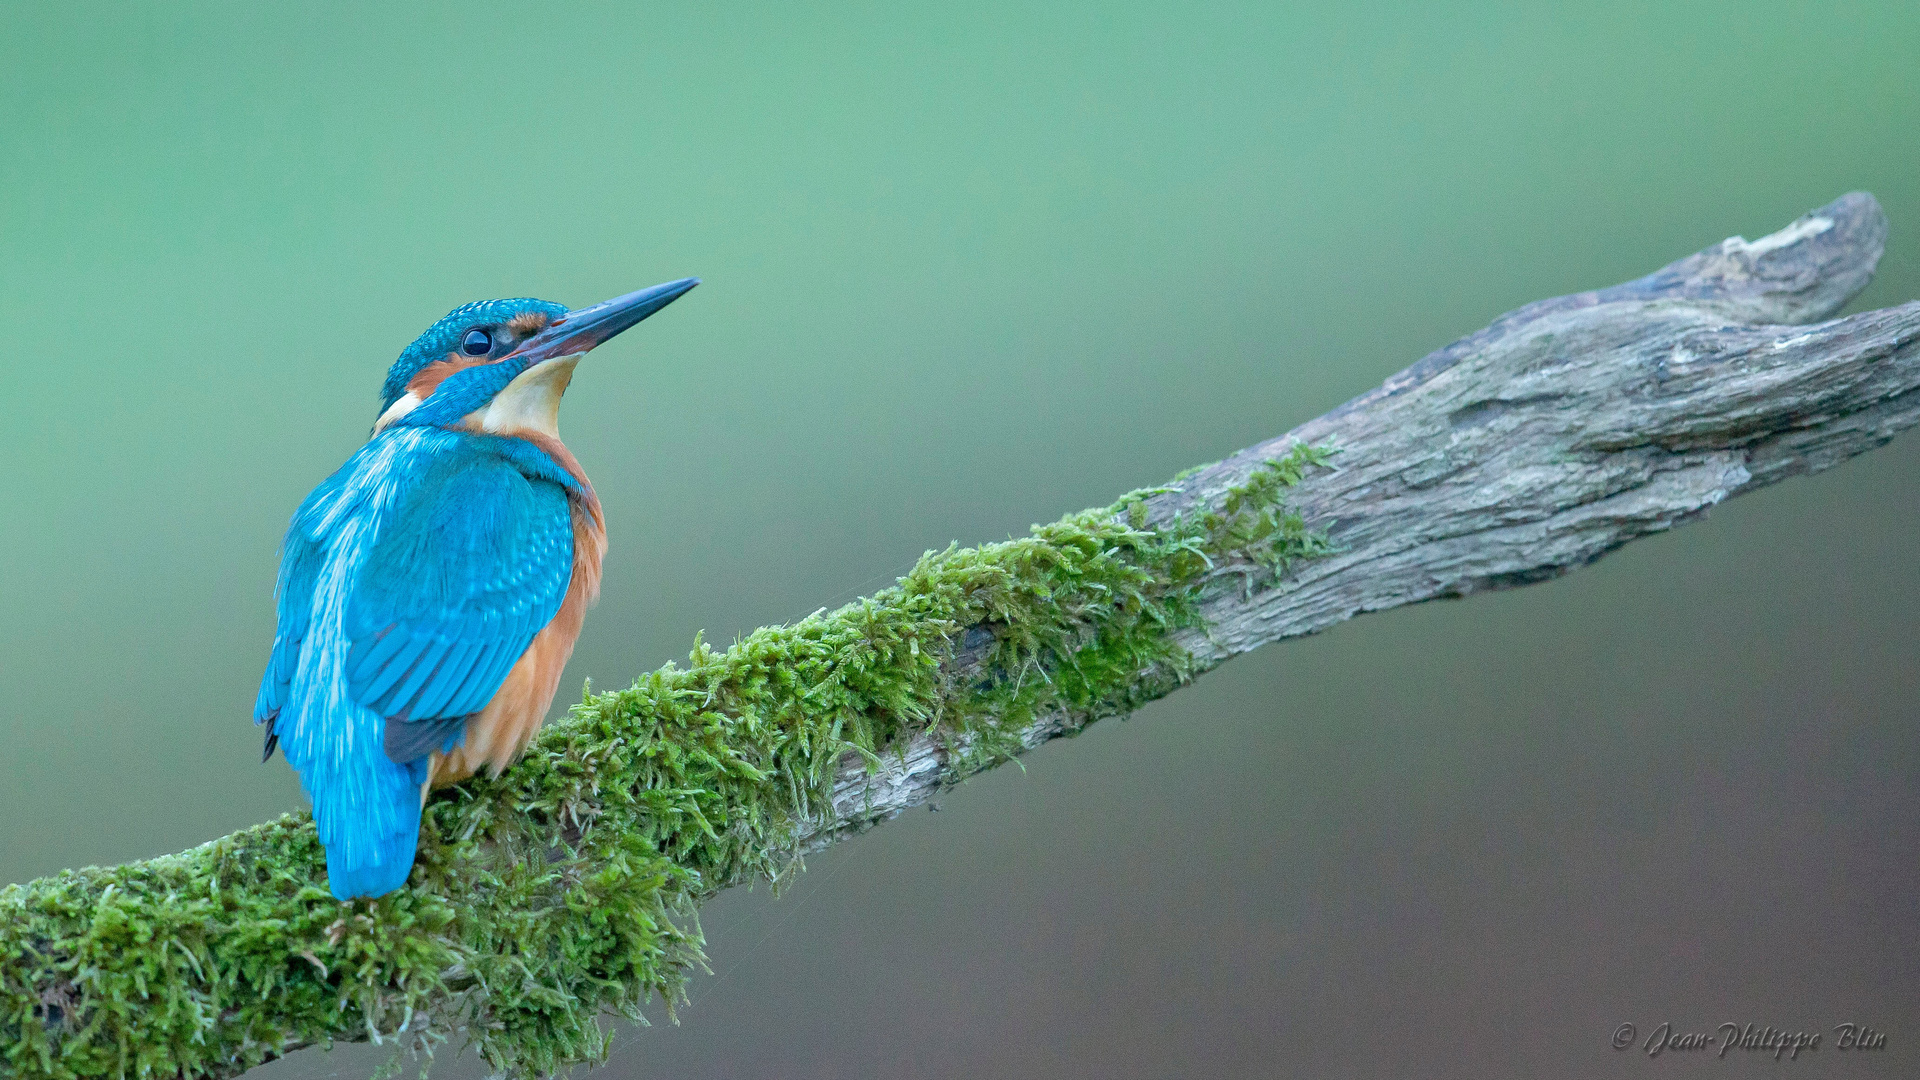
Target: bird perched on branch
(431, 590)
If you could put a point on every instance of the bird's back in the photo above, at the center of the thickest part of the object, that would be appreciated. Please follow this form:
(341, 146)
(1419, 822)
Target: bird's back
(412, 584)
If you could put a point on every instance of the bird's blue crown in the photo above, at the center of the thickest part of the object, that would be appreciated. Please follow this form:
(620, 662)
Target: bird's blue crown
(444, 337)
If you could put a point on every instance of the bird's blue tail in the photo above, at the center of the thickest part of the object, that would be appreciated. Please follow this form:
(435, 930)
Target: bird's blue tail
(366, 808)
(373, 853)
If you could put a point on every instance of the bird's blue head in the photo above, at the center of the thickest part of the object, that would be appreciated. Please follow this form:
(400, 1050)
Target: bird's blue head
(453, 336)
(509, 356)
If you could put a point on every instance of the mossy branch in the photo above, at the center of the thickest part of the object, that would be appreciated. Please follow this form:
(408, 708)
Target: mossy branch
(569, 888)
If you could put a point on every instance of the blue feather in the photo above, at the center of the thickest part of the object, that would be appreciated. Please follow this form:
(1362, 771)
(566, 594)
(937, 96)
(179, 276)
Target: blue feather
(299, 565)
(447, 677)
(476, 541)
(383, 680)
(413, 580)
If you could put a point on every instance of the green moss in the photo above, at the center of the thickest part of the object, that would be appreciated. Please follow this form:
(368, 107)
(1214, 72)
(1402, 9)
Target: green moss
(569, 887)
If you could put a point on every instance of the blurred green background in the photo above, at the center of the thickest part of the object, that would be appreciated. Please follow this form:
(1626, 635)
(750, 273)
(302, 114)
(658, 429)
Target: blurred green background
(969, 267)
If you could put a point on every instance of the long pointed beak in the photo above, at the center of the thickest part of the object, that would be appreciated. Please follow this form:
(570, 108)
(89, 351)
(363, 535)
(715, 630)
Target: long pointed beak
(582, 329)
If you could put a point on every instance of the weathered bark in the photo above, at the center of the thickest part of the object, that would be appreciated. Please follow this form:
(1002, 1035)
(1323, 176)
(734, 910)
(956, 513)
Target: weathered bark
(1548, 439)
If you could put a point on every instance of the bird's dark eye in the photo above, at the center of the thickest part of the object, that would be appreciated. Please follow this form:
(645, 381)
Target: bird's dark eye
(477, 343)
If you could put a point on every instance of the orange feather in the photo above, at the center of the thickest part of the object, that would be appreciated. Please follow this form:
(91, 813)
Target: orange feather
(429, 378)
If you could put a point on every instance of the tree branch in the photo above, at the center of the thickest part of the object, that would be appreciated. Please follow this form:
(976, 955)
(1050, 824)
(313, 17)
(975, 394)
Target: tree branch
(568, 887)
(1548, 439)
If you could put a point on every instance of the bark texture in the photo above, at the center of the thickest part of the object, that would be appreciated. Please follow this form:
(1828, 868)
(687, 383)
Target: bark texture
(1546, 440)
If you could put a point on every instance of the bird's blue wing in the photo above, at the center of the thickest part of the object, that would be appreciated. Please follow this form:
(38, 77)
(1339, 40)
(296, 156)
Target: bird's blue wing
(299, 564)
(475, 562)
(301, 558)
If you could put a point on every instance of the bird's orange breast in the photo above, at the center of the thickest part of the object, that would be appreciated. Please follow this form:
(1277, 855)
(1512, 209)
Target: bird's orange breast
(499, 733)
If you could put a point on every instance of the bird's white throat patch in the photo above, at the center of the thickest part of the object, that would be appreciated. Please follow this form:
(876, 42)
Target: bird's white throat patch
(402, 405)
(531, 402)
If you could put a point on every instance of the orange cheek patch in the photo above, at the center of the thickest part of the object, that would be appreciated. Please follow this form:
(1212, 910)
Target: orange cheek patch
(429, 378)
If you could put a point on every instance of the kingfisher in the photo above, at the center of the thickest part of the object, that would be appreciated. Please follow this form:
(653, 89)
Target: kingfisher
(432, 588)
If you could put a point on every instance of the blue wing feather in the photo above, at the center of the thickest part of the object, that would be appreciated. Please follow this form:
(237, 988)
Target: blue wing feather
(300, 561)
(475, 563)
(438, 693)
